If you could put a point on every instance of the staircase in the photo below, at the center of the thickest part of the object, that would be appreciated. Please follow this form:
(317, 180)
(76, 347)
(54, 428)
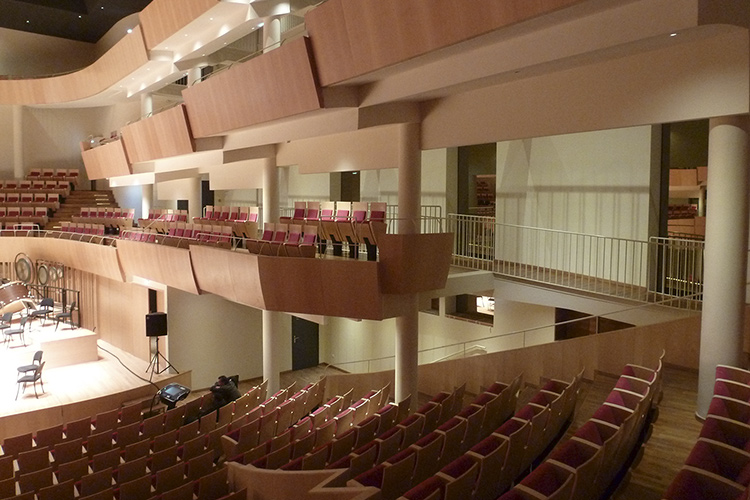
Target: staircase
(73, 203)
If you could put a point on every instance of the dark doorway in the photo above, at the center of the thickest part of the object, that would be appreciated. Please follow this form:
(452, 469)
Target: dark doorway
(304, 343)
(207, 196)
(349, 186)
(182, 204)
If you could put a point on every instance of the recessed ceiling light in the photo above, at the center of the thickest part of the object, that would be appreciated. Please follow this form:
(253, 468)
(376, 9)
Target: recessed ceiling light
(261, 25)
(28, 22)
(80, 17)
(673, 34)
(129, 30)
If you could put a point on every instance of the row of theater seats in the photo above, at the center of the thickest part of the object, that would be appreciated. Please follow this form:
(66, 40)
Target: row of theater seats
(505, 448)
(117, 454)
(228, 213)
(319, 430)
(167, 214)
(216, 235)
(57, 174)
(718, 467)
(353, 223)
(12, 215)
(48, 200)
(287, 240)
(592, 462)
(82, 228)
(55, 187)
(107, 212)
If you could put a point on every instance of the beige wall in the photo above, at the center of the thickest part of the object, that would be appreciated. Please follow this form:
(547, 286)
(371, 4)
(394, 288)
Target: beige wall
(212, 336)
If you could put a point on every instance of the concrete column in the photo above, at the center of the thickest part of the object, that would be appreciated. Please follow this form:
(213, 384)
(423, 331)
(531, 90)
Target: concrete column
(271, 33)
(194, 75)
(272, 328)
(725, 260)
(271, 319)
(18, 168)
(194, 200)
(147, 105)
(409, 208)
(147, 197)
(270, 191)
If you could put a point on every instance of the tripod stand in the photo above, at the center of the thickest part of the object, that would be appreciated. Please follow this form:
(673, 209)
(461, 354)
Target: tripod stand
(154, 363)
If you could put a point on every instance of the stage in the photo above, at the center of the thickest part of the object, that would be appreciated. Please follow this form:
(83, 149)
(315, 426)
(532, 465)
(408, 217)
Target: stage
(80, 378)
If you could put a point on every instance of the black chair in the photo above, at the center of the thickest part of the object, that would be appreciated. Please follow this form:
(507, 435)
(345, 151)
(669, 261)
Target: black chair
(5, 321)
(31, 378)
(46, 307)
(65, 315)
(34, 363)
(20, 330)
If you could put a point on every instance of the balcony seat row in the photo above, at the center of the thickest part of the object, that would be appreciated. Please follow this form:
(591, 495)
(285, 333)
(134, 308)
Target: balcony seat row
(12, 215)
(61, 188)
(353, 223)
(116, 217)
(57, 174)
(228, 214)
(82, 228)
(48, 200)
(718, 466)
(284, 240)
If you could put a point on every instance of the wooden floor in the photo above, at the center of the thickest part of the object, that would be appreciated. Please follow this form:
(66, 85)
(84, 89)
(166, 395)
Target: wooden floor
(84, 385)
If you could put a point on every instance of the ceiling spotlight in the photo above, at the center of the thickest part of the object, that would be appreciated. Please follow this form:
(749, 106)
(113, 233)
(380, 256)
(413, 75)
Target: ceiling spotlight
(673, 34)
(261, 25)
(129, 30)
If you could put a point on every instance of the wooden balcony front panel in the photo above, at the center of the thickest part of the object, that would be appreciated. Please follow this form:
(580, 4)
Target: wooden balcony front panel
(278, 84)
(413, 263)
(101, 260)
(162, 135)
(356, 37)
(125, 57)
(164, 264)
(163, 18)
(108, 160)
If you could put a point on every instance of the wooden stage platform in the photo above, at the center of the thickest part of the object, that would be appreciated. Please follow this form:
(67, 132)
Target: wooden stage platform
(80, 378)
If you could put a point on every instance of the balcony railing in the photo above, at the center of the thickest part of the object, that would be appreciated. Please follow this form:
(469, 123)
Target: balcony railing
(631, 269)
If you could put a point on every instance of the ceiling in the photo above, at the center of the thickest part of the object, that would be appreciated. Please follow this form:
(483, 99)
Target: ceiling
(82, 20)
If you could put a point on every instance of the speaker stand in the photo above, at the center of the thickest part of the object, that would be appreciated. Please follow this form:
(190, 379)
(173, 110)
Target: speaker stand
(153, 365)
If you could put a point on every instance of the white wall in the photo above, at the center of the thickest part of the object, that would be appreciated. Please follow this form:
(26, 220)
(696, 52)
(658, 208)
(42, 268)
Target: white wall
(212, 336)
(593, 182)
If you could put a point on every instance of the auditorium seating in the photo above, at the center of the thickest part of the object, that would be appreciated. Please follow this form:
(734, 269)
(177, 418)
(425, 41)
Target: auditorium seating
(592, 462)
(718, 466)
(109, 216)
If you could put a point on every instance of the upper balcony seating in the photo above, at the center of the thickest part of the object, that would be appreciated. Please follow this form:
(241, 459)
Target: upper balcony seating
(121, 218)
(61, 188)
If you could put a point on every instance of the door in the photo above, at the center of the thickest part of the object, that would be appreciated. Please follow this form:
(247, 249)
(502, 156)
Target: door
(304, 343)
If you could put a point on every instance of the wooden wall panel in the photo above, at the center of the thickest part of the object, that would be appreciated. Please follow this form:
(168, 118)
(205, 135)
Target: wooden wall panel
(167, 265)
(277, 84)
(125, 57)
(355, 37)
(232, 275)
(108, 160)
(162, 135)
(163, 18)
(121, 310)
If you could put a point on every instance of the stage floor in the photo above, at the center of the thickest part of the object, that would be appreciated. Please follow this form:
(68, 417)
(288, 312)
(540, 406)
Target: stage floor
(75, 390)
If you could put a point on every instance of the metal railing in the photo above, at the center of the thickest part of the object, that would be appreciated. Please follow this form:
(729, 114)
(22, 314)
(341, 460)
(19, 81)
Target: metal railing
(632, 269)
(543, 334)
